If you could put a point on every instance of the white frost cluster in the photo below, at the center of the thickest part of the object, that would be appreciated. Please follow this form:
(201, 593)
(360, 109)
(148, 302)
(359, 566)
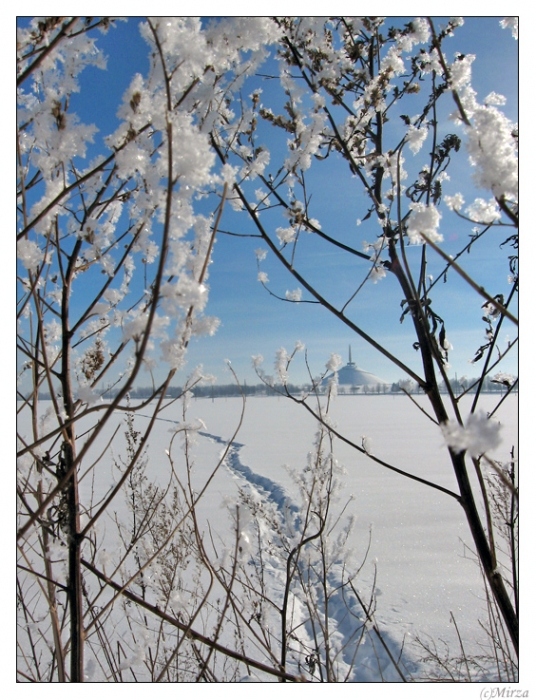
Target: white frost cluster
(479, 435)
(334, 363)
(30, 254)
(377, 273)
(333, 386)
(495, 99)
(485, 212)
(282, 359)
(416, 137)
(366, 443)
(454, 202)
(286, 235)
(294, 295)
(424, 219)
(260, 254)
(503, 378)
(460, 71)
(511, 23)
(491, 137)
(493, 151)
(257, 361)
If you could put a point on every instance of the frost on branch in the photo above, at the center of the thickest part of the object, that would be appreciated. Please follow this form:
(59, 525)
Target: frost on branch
(479, 435)
(282, 359)
(257, 361)
(454, 202)
(293, 295)
(511, 23)
(334, 363)
(416, 138)
(30, 254)
(286, 235)
(491, 136)
(460, 71)
(117, 244)
(483, 212)
(492, 150)
(377, 273)
(424, 219)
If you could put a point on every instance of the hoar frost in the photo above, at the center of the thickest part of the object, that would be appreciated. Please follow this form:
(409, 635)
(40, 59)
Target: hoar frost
(416, 138)
(485, 212)
(30, 254)
(334, 363)
(479, 435)
(511, 23)
(454, 202)
(282, 359)
(377, 273)
(294, 295)
(424, 220)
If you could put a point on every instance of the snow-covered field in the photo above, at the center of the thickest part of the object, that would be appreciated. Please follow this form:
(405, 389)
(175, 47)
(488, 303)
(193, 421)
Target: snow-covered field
(419, 546)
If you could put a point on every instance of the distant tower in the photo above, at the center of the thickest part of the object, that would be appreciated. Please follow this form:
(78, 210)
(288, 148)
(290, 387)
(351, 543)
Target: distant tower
(351, 375)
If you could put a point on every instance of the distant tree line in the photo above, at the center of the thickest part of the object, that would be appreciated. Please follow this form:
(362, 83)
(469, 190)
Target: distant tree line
(463, 385)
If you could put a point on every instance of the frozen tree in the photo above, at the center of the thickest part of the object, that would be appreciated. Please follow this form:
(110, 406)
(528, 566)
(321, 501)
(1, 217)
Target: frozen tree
(114, 257)
(114, 246)
(347, 88)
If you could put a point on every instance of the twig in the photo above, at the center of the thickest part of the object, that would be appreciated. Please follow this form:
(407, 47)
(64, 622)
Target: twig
(497, 305)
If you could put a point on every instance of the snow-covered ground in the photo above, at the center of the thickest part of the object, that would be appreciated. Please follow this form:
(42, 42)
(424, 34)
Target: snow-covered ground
(420, 541)
(419, 554)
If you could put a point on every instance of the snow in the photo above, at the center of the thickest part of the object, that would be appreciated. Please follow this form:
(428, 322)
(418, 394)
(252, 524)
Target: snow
(418, 543)
(424, 569)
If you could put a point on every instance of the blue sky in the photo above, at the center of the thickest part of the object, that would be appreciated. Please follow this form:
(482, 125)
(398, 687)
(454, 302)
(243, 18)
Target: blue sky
(252, 321)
